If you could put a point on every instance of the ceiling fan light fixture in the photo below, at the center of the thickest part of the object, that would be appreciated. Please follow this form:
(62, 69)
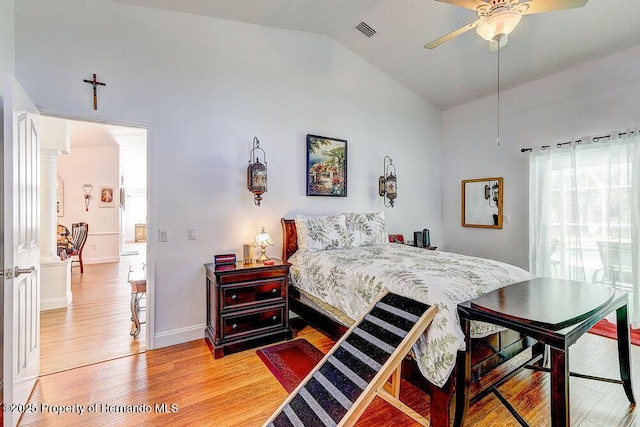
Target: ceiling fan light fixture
(499, 24)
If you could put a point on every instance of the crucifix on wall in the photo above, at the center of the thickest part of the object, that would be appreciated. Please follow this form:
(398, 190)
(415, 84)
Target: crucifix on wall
(95, 83)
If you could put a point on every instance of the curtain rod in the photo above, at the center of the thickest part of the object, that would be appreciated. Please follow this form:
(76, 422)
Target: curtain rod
(579, 141)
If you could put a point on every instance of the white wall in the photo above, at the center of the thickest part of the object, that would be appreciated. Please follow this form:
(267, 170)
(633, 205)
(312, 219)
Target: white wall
(135, 212)
(97, 166)
(591, 99)
(7, 46)
(206, 87)
(7, 65)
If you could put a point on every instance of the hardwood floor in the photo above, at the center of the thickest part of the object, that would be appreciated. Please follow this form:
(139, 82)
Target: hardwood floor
(95, 327)
(238, 390)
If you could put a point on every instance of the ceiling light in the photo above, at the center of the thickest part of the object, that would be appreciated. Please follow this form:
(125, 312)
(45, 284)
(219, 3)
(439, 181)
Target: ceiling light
(500, 23)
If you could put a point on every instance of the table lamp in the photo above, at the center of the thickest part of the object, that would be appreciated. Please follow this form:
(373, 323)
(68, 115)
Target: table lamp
(263, 240)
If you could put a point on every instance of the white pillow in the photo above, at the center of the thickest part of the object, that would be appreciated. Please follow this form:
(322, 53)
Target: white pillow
(367, 229)
(319, 233)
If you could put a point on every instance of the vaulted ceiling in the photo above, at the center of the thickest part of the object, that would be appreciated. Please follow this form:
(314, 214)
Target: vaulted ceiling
(460, 70)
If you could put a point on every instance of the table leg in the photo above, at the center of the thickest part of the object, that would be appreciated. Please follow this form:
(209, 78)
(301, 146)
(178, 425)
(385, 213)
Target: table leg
(624, 351)
(134, 314)
(463, 375)
(559, 387)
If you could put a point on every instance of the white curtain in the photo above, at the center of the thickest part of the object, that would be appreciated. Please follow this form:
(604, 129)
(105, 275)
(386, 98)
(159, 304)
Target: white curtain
(584, 213)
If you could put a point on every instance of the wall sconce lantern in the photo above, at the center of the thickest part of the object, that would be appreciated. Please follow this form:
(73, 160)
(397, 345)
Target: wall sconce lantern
(257, 173)
(388, 185)
(492, 194)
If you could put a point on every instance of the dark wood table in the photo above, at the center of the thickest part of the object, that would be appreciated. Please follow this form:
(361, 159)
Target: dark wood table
(555, 312)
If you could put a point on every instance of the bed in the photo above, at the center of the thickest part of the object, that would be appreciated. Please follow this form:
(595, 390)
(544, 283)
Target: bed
(342, 262)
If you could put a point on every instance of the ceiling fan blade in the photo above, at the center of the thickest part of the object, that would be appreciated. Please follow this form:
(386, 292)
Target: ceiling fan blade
(467, 4)
(493, 46)
(452, 34)
(539, 6)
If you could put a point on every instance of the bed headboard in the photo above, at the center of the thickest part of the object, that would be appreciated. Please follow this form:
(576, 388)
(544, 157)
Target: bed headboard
(289, 238)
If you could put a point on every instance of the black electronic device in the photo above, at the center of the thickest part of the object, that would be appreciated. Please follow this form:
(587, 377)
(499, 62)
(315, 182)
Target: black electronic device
(422, 239)
(417, 239)
(426, 238)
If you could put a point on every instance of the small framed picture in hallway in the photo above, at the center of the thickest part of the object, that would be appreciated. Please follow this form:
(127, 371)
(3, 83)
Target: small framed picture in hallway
(106, 197)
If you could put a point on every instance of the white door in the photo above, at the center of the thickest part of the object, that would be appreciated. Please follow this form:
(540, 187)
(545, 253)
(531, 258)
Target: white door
(21, 263)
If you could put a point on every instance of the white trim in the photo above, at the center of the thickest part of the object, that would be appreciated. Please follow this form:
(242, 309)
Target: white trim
(103, 233)
(151, 200)
(151, 243)
(55, 303)
(102, 260)
(179, 336)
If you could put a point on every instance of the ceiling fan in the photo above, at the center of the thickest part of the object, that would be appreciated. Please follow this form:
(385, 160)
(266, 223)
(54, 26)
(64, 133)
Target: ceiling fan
(497, 18)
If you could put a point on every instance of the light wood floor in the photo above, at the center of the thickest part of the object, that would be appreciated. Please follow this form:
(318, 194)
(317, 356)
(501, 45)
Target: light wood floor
(95, 327)
(238, 390)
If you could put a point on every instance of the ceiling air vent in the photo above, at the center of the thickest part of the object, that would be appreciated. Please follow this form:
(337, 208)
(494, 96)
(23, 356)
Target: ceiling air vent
(365, 29)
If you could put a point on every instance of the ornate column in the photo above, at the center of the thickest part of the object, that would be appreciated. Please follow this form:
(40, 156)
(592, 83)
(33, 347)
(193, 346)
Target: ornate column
(48, 203)
(55, 274)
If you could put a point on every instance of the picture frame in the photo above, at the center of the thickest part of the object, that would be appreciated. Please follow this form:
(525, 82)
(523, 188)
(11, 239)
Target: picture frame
(326, 166)
(107, 197)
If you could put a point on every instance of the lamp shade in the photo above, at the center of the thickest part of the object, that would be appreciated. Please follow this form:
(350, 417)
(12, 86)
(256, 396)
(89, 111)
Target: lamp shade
(501, 23)
(263, 239)
(391, 183)
(257, 177)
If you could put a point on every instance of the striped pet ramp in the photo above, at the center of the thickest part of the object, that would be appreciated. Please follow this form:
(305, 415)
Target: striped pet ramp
(343, 384)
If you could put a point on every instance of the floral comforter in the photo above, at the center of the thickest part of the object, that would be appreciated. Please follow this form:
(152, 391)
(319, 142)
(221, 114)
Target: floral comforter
(350, 279)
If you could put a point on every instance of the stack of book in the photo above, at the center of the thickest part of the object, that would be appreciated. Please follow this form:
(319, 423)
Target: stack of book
(225, 261)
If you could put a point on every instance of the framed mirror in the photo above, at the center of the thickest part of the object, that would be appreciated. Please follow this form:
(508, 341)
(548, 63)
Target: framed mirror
(482, 202)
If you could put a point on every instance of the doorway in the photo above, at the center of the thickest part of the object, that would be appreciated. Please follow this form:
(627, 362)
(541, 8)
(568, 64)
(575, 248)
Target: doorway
(96, 325)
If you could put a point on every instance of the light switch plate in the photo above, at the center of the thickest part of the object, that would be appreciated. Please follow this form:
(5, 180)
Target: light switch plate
(164, 235)
(193, 234)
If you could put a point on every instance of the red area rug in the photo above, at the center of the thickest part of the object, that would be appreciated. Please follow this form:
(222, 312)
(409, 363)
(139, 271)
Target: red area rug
(607, 329)
(290, 361)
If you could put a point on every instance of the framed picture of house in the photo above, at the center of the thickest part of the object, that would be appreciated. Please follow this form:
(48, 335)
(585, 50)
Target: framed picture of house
(326, 166)
(106, 197)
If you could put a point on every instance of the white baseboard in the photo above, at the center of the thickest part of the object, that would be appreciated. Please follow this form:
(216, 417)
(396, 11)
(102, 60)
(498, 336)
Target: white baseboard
(55, 303)
(179, 336)
(102, 260)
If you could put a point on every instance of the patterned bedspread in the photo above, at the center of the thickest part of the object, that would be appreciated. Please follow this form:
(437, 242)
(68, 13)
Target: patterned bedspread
(350, 279)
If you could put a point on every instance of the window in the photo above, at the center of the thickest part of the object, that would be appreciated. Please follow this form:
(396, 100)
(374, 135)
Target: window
(584, 214)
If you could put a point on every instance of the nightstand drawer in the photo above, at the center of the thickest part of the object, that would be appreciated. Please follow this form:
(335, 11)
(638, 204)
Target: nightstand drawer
(238, 325)
(251, 293)
(247, 275)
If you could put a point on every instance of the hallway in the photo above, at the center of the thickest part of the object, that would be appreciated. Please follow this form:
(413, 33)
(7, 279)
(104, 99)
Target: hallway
(96, 325)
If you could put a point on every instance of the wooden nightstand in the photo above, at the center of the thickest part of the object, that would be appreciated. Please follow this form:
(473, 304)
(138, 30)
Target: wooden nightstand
(247, 306)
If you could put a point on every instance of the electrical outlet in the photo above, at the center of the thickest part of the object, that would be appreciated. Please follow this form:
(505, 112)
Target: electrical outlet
(164, 235)
(193, 234)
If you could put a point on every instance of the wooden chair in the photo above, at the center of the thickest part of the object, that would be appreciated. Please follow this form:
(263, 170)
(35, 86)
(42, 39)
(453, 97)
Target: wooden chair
(79, 232)
(616, 264)
(343, 384)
